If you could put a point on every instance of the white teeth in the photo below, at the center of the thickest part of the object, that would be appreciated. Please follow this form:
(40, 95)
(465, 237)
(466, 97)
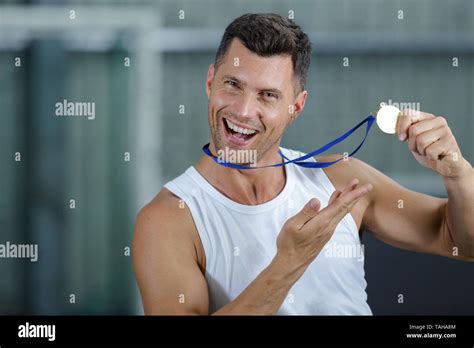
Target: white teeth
(238, 129)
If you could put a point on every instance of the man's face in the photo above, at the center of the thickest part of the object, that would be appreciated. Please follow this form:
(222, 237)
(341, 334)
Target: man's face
(251, 100)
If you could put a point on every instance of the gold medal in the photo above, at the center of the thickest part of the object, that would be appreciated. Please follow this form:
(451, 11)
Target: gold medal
(387, 117)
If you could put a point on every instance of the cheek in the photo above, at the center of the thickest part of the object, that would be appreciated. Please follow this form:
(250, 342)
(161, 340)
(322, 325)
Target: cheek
(277, 117)
(218, 102)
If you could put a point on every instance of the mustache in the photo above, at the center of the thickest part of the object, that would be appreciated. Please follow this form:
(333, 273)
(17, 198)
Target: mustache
(244, 123)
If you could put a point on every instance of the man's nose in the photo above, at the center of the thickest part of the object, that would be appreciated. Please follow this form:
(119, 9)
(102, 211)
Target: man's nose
(245, 106)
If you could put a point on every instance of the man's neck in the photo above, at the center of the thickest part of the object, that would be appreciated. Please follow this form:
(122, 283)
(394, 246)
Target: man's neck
(250, 186)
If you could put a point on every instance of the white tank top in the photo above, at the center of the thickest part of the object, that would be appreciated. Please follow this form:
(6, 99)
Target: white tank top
(239, 241)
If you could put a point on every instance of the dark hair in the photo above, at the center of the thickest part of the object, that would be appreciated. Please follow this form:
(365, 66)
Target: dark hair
(269, 34)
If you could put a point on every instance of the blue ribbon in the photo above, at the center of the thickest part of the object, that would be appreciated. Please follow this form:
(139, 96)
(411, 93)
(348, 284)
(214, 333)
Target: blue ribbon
(300, 160)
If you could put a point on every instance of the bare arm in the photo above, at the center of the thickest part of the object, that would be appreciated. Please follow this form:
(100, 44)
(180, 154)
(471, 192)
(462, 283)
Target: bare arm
(171, 281)
(168, 274)
(301, 239)
(420, 222)
(411, 220)
(165, 260)
(459, 213)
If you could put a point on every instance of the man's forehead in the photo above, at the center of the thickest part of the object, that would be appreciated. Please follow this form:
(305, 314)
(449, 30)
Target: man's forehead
(240, 61)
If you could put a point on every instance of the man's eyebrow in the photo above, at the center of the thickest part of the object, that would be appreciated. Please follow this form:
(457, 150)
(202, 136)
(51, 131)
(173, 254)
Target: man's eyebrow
(230, 77)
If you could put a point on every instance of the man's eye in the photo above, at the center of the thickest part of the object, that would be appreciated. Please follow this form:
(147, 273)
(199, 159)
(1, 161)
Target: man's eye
(270, 95)
(231, 83)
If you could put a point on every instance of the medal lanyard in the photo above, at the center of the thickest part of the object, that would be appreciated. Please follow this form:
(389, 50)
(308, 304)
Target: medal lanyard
(300, 161)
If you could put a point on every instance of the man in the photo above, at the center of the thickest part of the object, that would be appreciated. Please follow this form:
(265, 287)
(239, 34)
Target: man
(218, 240)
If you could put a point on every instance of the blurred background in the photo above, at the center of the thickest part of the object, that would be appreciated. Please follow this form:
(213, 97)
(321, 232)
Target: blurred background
(74, 185)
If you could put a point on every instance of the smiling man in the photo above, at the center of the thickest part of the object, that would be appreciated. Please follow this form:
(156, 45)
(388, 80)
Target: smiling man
(218, 240)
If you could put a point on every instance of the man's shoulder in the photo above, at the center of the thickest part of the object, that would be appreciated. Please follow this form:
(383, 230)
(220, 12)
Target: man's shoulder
(165, 217)
(165, 229)
(165, 207)
(347, 163)
(347, 167)
(342, 172)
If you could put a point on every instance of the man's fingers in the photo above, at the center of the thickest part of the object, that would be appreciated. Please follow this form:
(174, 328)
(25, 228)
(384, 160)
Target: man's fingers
(337, 193)
(408, 117)
(334, 196)
(425, 128)
(345, 204)
(309, 211)
(423, 140)
(350, 186)
(333, 213)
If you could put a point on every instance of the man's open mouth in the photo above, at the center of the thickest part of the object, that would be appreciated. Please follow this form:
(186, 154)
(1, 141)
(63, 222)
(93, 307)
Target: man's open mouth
(237, 134)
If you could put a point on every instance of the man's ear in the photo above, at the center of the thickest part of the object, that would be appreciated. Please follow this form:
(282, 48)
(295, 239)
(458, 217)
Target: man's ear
(295, 109)
(210, 78)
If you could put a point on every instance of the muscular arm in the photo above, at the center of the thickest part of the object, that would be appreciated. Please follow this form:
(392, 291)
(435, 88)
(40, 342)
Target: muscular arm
(165, 260)
(168, 272)
(166, 256)
(407, 219)
(459, 213)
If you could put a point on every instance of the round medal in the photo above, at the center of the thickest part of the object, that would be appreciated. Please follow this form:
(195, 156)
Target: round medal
(387, 118)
